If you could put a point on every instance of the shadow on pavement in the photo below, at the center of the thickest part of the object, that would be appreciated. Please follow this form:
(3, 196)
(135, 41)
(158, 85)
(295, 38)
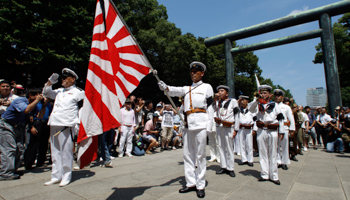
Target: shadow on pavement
(132, 192)
(214, 167)
(251, 172)
(76, 175)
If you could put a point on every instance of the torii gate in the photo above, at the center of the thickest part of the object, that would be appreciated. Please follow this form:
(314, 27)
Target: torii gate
(322, 14)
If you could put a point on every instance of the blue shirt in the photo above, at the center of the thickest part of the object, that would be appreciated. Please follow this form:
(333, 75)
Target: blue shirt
(312, 118)
(47, 111)
(15, 112)
(177, 119)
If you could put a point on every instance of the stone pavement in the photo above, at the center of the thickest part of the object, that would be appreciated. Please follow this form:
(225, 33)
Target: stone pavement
(317, 175)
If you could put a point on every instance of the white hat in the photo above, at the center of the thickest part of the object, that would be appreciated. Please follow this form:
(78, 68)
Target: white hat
(278, 91)
(223, 87)
(69, 71)
(198, 65)
(243, 97)
(265, 88)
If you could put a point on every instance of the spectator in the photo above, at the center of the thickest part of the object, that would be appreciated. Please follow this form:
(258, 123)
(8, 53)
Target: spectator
(312, 121)
(6, 97)
(13, 87)
(334, 141)
(298, 120)
(12, 127)
(323, 120)
(317, 126)
(104, 142)
(177, 139)
(148, 112)
(150, 133)
(38, 139)
(167, 125)
(139, 112)
(127, 129)
(20, 90)
(304, 126)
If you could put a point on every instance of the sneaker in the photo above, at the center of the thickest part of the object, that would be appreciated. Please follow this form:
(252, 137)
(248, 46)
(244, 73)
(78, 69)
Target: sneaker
(162, 149)
(64, 183)
(52, 182)
(120, 155)
(76, 168)
(109, 164)
(174, 148)
(305, 148)
(12, 177)
(112, 158)
(129, 155)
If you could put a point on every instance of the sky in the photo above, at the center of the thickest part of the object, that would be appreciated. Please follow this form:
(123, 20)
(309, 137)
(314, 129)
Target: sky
(289, 65)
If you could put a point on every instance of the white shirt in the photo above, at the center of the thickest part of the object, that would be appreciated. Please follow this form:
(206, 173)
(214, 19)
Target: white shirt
(128, 117)
(246, 117)
(168, 118)
(305, 119)
(288, 116)
(323, 119)
(199, 97)
(227, 114)
(65, 109)
(10, 98)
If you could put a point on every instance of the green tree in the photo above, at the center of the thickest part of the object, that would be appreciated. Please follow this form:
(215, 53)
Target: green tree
(342, 45)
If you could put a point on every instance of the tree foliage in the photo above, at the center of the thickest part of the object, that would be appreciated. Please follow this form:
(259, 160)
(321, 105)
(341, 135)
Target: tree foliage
(40, 37)
(341, 31)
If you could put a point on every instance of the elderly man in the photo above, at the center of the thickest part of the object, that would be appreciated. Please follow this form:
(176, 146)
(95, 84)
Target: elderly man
(12, 127)
(198, 99)
(270, 127)
(63, 119)
(6, 97)
(323, 120)
(289, 126)
(227, 126)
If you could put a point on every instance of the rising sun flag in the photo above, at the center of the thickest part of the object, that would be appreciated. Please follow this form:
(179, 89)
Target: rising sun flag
(116, 67)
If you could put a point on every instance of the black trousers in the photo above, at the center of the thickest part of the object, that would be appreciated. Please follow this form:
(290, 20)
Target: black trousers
(38, 145)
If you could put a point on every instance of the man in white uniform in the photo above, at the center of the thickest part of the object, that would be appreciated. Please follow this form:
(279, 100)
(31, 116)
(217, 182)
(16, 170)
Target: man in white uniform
(198, 99)
(289, 126)
(227, 126)
(63, 119)
(270, 126)
(127, 129)
(246, 120)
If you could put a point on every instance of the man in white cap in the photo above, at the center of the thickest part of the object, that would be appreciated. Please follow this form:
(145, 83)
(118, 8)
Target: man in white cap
(227, 126)
(270, 126)
(198, 99)
(289, 126)
(246, 123)
(62, 121)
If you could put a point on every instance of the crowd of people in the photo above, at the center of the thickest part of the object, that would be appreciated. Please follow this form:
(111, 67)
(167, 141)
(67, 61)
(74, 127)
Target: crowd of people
(271, 126)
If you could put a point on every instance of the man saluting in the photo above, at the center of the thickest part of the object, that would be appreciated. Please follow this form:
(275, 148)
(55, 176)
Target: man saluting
(198, 99)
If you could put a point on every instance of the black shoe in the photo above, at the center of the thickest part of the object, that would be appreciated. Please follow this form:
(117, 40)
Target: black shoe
(341, 152)
(19, 173)
(250, 164)
(187, 189)
(277, 182)
(243, 163)
(221, 171)
(284, 167)
(162, 149)
(167, 148)
(301, 153)
(200, 193)
(262, 179)
(231, 173)
(294, 159)
(315, 148)
(279, 166)
(7, 178)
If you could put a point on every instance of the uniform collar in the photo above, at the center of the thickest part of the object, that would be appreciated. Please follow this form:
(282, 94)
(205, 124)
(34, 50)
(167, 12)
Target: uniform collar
(198, 83)
(69, 88)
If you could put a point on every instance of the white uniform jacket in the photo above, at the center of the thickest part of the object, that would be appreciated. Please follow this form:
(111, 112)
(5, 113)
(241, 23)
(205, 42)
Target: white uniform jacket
(65, 109)
(246, 117)
(199, 95)
(228, 111)
(288, 116)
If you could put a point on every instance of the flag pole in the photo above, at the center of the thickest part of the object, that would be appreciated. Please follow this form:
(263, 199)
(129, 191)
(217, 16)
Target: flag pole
(146, 59)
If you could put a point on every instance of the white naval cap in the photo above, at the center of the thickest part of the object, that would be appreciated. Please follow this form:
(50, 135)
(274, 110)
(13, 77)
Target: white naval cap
(243, 97)
(198, 65)
(71, 72)
(265, 88)
(223, 87)
(278, 91)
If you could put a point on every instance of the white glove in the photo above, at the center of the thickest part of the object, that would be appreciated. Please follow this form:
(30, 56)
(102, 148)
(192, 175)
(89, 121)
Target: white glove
(54, 78)
(162, 85)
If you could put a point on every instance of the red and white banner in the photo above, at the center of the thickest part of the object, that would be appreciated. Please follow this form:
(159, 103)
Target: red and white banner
(116, 68)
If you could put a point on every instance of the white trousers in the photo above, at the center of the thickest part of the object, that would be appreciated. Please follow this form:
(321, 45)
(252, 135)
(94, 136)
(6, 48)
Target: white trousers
(126, 135)
(267, 142)
(225, 143)
(246, 144)
(194, 150)
(61, 154)
(213, 145)
(283, 150)
(237, 144)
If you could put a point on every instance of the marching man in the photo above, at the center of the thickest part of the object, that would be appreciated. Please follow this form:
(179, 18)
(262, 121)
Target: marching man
(289, 126)
(246, 120)
(62, 121)
(270, 127)
(227, 126)
(198, 99)
(127, 129)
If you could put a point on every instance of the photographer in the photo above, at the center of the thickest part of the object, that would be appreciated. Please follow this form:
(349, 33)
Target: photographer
(335, 143)
(150, 132)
